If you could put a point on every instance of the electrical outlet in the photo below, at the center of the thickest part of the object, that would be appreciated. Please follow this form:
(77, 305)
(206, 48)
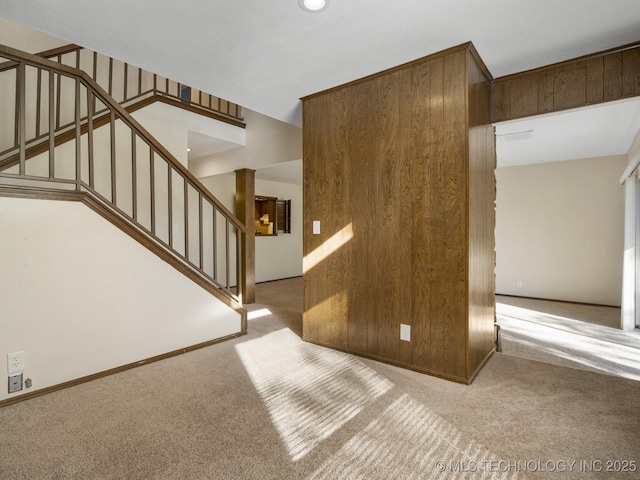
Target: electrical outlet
(518, 284)
(405, 332)
(15, 383)
(15, 362)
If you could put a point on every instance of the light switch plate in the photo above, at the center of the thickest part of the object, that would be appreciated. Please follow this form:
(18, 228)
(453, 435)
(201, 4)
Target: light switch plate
(316, 227)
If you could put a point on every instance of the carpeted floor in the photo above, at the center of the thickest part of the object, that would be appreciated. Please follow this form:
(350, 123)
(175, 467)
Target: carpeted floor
(573, 335)
(269, 406)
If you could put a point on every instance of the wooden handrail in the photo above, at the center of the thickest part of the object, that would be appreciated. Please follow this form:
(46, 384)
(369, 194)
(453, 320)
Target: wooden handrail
(231, 115)
(173, 169)
(122, 112)
(44, 54)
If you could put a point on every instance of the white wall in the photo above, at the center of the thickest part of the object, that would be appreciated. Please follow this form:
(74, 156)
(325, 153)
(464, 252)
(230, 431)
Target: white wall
(279, 256)
(268, 142)
(27, 39)
(171, 126)
(79, 296)
(559, 230)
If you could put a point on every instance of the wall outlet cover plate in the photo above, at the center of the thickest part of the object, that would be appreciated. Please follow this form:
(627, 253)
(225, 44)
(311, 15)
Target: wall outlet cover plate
(15, 383)
(405, 332)
(15, 362)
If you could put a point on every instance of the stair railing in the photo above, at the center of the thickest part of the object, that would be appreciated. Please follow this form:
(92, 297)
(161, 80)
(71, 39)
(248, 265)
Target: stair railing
(127, 83)
(114, 164)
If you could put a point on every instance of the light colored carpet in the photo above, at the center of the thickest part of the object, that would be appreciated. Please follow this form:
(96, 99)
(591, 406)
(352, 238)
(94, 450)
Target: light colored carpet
(572, 335)
(269, 406)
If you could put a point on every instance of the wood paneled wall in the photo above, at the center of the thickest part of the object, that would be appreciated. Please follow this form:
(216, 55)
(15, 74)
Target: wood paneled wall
(398, 169)
(597, 78)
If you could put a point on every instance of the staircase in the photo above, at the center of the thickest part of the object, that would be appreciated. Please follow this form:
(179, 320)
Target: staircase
(63, 136)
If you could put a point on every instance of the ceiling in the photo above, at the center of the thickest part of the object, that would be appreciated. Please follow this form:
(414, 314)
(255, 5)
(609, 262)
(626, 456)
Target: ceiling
(598, 131)
(266, 55)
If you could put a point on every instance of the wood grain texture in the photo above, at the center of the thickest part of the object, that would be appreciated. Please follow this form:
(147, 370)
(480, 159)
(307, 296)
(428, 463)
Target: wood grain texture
(394, 260)
(524, 96)
(388, 222)
(359, 306)
(436, 254)
(338, 203)
(453, 273)
(245, 205)
(421, 155)
(313, 134)
(569, 86)
(372, 200)
(631, 72)
(612, 77)
(600, 77)
(387, 157)
(595, 80)
(545, 93)
(481, 278)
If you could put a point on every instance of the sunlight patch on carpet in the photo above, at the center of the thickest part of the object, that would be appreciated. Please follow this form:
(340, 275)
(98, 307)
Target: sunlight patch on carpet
(575, 325)
(410, 442)
(310, 391)
(595, 353)
(263, 312)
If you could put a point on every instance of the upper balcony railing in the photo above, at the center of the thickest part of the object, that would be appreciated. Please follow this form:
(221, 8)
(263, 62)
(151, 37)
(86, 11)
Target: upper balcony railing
(61, 133)
(128, 84)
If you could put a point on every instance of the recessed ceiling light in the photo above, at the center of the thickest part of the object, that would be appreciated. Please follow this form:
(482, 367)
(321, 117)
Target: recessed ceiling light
(313, 6)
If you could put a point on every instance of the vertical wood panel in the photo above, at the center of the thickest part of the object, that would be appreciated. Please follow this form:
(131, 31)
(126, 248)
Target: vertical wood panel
(524, 95)
(545, 92)
(437, 261)
(481, 245)
(595, 82)
(481, 283)
(631, 72)
(315, 177)
(373, 201)
(388, 223)
(569, 86)
(612, 77)
(334, 220)
(311, 128)
(453, 275)
(501, 100)
(357, 156)
(406, 212)
(422, 213)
